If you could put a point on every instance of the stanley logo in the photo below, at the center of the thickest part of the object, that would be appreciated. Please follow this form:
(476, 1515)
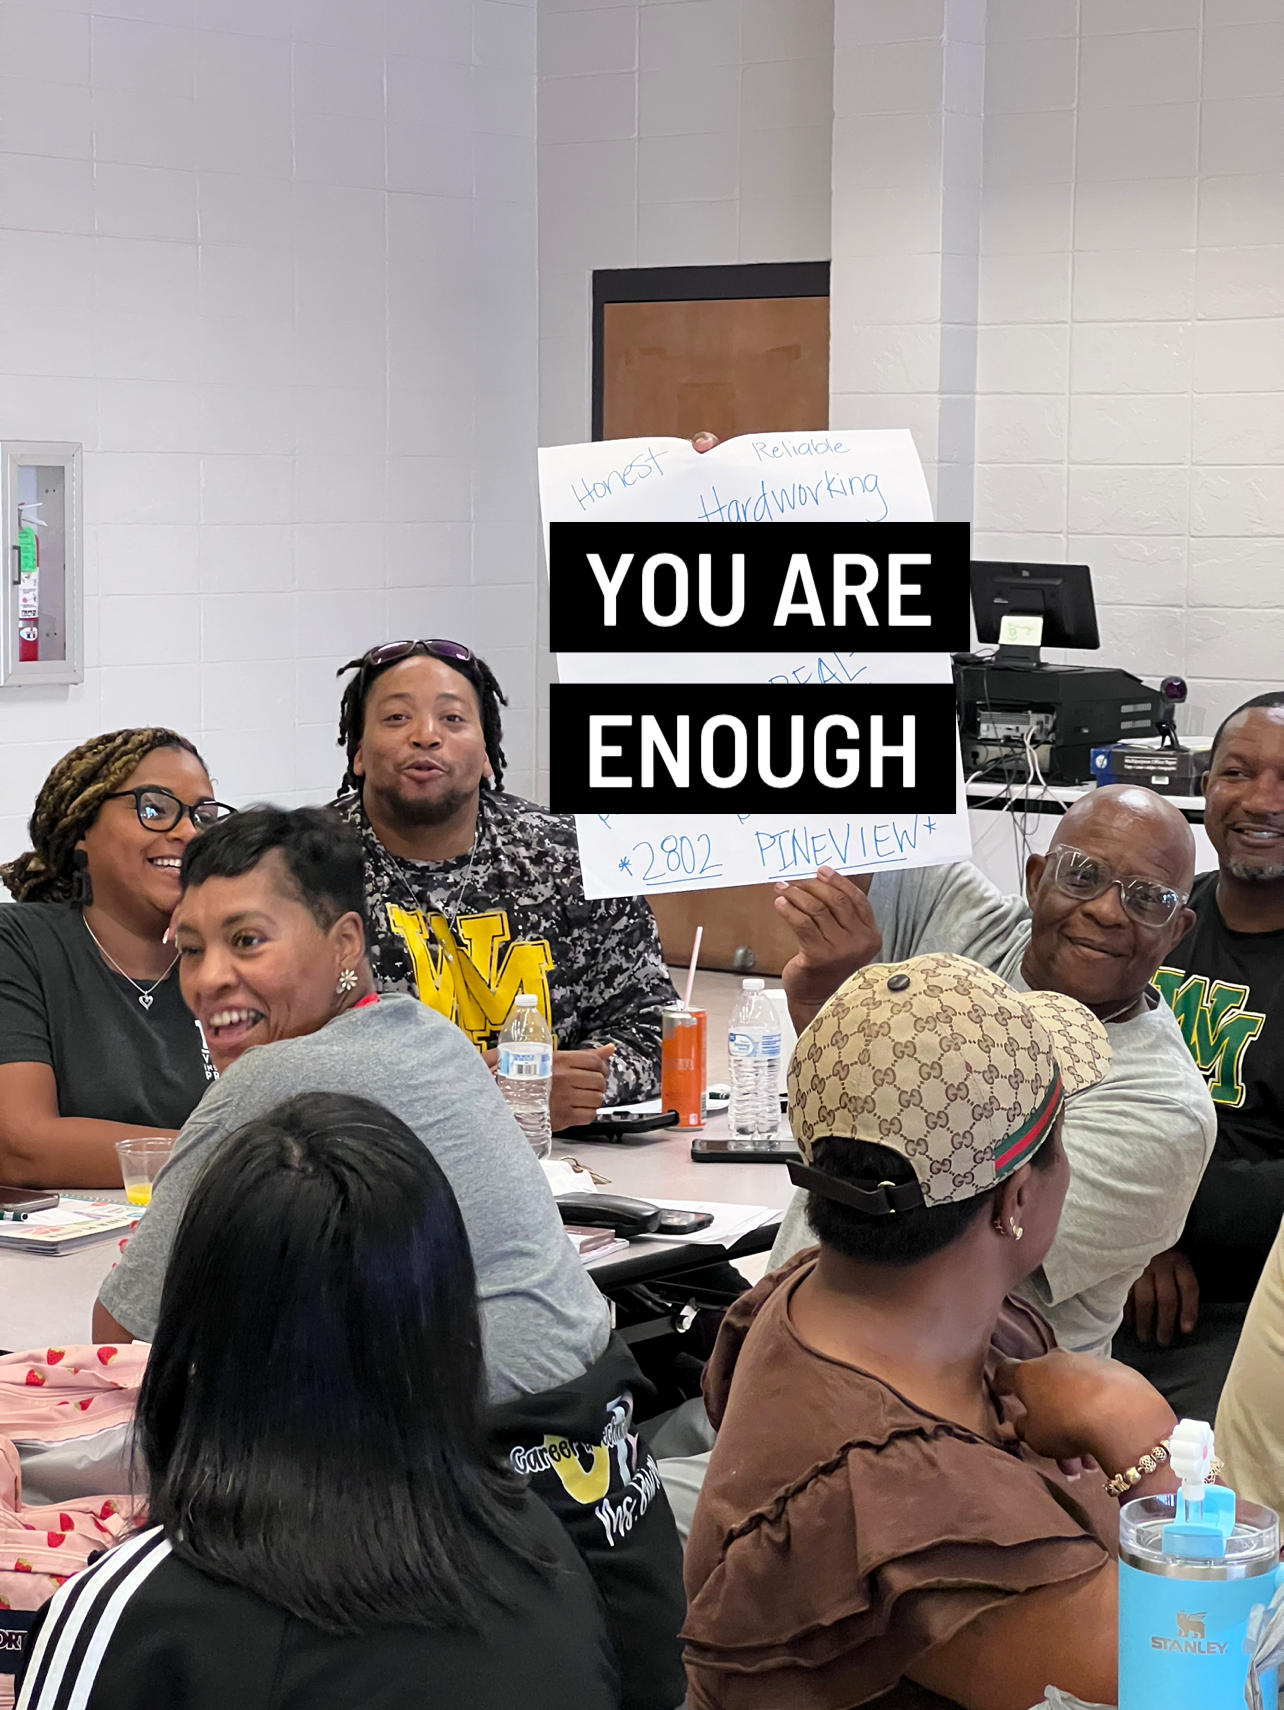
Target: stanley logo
(1190, 1638)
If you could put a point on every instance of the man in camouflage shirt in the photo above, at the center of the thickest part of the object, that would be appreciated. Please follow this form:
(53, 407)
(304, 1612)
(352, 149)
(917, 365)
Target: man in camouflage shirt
(475, 895)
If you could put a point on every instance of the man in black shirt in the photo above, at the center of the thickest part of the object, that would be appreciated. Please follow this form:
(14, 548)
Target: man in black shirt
(1225, 983)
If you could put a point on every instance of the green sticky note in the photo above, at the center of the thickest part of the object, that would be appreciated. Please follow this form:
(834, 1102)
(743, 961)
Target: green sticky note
(26, 549)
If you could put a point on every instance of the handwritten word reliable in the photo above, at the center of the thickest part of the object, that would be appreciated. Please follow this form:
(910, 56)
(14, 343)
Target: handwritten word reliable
(769, 504)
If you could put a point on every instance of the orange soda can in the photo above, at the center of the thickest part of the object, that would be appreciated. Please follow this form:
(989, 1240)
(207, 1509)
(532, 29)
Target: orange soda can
(683, 1064)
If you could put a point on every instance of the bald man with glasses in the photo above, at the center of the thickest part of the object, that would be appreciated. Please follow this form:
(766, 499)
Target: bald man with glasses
(1102, 910)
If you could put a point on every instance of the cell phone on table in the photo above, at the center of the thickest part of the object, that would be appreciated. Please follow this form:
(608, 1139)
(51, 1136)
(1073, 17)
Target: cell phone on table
(18, 1203)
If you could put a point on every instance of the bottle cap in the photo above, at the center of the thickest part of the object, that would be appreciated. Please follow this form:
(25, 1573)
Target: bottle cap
(525, 1000)
(753, 985)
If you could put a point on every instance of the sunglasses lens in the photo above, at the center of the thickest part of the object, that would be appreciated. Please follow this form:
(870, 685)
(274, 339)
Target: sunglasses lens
(389, 651)
(450, 650)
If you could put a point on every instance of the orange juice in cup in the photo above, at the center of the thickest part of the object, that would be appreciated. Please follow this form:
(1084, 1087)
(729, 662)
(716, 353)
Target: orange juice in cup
(140, 1164)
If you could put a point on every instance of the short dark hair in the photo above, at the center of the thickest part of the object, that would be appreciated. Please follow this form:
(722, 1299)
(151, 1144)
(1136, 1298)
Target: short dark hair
(312, 1419)
(1272, 698)
(906, 1237)
(475, 671)
(321, 851)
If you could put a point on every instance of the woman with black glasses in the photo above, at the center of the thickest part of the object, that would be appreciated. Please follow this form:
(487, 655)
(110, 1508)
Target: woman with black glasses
(96, 1044)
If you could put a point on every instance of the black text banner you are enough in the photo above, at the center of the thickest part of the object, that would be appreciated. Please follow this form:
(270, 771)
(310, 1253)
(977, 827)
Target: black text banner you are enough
(743, 698)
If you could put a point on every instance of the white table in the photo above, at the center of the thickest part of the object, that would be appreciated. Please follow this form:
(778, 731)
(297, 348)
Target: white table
(48, 1301)
(659, 1166)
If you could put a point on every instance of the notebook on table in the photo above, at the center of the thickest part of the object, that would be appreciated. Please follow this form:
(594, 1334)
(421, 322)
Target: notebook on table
(72, 1224)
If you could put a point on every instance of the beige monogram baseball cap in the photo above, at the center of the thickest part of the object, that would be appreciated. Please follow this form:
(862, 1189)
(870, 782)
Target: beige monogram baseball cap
(945, 1063)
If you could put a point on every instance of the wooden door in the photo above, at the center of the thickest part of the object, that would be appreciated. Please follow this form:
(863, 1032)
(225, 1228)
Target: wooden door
(729, 364)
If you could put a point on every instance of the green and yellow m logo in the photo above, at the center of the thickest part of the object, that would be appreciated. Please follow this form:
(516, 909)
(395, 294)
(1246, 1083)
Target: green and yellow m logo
(1216, 1027)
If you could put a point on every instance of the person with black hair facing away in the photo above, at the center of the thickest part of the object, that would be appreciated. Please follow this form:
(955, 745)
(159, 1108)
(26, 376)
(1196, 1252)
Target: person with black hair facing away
(96, 1044)
(475, 895)
(1225, 984)
(328, 1523)
(271, 934)
(912, 1501)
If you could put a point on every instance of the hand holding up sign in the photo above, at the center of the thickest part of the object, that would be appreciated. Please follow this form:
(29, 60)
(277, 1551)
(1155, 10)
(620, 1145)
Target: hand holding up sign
(831, 918)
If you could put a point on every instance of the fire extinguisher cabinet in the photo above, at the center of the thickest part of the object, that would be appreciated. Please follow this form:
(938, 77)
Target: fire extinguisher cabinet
(42, 632)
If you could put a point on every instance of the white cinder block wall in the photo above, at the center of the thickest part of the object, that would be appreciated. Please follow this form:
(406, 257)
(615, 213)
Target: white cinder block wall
(671, 133)
(1131, 377)
(274, 265)
(1129, 344)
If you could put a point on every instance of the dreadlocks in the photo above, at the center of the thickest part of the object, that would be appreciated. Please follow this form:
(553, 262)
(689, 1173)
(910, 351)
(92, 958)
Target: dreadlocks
(68, 805)
(485, 685)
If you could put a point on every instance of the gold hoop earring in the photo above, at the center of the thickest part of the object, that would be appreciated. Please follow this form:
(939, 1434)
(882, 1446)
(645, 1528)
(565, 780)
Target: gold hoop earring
(347, 982)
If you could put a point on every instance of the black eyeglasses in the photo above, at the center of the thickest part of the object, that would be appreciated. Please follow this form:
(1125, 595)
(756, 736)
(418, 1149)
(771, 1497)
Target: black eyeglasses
(1085, 878)
(161, 810)
(390, 651)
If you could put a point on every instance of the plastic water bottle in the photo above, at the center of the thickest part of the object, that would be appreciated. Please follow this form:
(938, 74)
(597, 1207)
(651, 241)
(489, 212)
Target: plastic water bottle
(526, 1071)
(753, 1056)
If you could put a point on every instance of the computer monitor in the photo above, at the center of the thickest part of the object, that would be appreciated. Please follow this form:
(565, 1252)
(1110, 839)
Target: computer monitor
(1061, 594)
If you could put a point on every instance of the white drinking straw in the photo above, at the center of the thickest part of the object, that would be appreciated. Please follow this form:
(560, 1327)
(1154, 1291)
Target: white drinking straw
(691, 971)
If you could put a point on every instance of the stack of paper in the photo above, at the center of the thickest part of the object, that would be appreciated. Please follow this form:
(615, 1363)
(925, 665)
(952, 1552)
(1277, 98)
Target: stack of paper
(72, 1224)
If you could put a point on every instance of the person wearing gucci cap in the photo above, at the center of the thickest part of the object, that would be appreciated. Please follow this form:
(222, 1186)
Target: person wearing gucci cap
(900, 1507)
(1103, 909)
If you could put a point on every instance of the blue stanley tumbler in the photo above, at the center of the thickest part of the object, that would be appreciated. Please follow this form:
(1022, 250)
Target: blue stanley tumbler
(1192, 1566)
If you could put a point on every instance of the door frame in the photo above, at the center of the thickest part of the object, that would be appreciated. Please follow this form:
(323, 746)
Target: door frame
(693, 284)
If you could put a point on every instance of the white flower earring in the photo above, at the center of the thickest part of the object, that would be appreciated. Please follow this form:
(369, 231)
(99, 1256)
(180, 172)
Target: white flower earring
(347, 982)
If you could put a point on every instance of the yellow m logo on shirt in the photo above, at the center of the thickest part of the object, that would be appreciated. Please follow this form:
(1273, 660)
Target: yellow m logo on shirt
(472, 975)
(1216, 1027)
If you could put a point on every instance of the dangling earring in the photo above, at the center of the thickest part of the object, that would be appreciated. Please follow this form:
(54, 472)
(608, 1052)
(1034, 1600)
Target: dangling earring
(82, 886)
(347, 982)
(1015, 1227)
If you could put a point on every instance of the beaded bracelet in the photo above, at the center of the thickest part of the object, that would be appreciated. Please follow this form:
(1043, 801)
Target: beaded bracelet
(1146, 1464)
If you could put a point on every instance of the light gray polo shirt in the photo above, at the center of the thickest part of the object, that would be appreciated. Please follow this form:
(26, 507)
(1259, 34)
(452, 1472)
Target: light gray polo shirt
(1138, 1142)
(543, 1320)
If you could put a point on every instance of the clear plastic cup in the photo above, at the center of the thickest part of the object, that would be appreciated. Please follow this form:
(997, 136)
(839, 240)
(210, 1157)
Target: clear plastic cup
(140, 1164)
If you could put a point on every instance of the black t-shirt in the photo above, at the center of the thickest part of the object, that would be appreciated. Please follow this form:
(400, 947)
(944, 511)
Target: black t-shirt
(112, 1058)
(1227, 991)
(141, 1631)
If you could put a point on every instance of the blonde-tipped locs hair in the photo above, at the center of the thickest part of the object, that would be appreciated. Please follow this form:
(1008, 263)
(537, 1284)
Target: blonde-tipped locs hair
(68, 805)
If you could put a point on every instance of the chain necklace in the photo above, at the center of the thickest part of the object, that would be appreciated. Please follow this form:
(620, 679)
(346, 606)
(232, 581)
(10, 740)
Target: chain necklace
(145, 993)
(399, 872)
(1115, 1014)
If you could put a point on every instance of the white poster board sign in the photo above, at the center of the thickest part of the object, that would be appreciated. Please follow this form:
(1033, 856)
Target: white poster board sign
(870, 476)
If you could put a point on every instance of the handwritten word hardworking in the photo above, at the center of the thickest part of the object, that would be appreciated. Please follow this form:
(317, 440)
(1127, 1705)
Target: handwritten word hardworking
(770, 504)
(803, 848)
(640, 468)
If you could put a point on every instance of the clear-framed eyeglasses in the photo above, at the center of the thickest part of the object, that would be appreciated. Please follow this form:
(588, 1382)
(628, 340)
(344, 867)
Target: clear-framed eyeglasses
(1085, 877)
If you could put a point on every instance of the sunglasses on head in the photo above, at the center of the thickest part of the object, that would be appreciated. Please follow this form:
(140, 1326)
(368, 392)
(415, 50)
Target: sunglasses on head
(389, 652)
(1085, 878)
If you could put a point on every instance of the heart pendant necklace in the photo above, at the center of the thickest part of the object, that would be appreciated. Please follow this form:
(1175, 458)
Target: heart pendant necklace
(145, 997)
